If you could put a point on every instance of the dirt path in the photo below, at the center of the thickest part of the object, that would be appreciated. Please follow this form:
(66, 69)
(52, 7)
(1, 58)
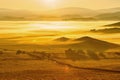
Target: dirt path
(76, 67)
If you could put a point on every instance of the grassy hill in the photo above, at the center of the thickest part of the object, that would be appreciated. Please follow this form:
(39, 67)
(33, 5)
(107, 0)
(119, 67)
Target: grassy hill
(88, 43)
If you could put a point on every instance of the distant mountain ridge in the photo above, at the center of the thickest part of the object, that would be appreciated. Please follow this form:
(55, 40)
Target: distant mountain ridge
(83, 12)
(110, 10)
(69, 13)
(11, 14)
(108, 16)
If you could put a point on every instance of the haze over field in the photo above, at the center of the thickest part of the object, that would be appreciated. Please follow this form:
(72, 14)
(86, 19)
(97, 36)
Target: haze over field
(27, 32)
(59, 39)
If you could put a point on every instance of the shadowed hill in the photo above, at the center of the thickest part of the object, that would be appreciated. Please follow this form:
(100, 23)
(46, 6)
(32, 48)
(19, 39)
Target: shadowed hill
(107, 30)
(62, 39)
(114, 24)
(88, 43)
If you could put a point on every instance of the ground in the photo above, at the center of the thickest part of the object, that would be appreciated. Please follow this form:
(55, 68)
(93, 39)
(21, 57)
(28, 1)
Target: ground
(25, 67)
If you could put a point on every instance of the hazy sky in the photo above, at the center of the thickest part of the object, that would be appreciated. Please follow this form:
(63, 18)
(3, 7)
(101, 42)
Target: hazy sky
(51, 4)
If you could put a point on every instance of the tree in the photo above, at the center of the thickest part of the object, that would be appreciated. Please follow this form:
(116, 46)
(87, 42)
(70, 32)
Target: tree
(1, 52)
(102, 55)
(18, 52)
(75, 55)
(92, 55)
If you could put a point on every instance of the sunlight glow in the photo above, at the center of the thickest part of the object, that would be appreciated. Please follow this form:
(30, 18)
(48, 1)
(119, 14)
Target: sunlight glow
(50, 2)
(51, 27)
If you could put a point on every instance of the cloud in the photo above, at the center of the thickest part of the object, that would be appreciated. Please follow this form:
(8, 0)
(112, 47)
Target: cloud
(107, 30)
(45, 31)
(42, 35)
(29, 36)
(6, 28)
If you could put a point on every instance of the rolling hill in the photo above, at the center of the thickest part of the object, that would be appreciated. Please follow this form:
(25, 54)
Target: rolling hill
(113, 25)
(108, 16)
(73, 11)
(62, 39)
(110, 10)
(88, 43)
(69, 13)
(64, 13)
(11, 14)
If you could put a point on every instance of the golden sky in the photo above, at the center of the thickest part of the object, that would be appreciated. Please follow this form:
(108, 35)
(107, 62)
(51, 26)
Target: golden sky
(53, 4)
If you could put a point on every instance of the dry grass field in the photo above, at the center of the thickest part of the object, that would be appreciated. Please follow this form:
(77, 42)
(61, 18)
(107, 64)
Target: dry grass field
(27, 67)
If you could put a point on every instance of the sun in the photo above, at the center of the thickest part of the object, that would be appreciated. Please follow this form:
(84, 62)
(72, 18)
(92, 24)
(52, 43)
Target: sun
(49, 4)
(50, 1)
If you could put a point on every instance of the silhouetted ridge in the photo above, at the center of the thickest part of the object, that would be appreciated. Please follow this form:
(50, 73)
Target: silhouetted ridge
(114, 24)
(84, 38)
(88, 43)
(107, 30)
(62, 39)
